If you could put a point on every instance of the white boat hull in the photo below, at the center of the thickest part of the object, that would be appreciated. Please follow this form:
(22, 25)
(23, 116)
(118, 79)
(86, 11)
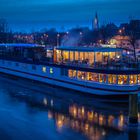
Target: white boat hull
(53, 76)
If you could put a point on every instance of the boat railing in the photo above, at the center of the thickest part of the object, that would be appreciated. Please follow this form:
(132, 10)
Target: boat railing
(104, 65)
(96, 65)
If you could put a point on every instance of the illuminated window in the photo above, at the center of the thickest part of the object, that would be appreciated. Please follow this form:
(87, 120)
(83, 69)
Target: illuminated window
(71, 56)
(81, 75)
(44, 69)
(95, 77)
(59, 56)
(89, 76)
(51, 70)
(122, 79)
(81, 56)
(70, 73)
(65, 56)
(139, 79)
(112, 79)
(102, 78)
(74, 74)
(91, 58)
(76, 55)
(133, 79)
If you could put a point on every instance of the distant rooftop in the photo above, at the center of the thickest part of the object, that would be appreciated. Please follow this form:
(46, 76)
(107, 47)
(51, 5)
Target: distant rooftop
(90, 49)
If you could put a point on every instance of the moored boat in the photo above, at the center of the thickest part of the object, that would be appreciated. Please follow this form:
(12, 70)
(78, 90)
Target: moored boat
(102, 71)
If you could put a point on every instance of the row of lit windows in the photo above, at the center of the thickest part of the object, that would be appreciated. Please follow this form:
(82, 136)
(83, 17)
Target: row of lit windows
(105, 78)
(90, 57)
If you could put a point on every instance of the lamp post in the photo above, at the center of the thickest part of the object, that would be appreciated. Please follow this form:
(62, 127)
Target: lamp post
(81, 37)
(46, 37)
(58, 35)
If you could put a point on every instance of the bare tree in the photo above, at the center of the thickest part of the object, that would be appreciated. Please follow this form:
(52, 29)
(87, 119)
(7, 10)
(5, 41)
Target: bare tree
(5, 34)
(133, 40)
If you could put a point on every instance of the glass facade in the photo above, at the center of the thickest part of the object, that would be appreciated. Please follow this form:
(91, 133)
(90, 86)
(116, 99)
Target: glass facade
(105, 78)
(90, 58)
(112, 79)
(123, 79)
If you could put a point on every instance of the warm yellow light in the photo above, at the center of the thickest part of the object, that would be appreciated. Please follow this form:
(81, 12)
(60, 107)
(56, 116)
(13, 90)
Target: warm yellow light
(44, 69)
(83, 110)
(59, 123)
(50, 115)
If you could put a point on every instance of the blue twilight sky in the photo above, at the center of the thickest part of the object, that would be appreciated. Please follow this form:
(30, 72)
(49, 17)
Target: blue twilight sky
(35, 14)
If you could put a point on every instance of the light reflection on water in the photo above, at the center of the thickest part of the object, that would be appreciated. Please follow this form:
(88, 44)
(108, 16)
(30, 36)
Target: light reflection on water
(28, 114)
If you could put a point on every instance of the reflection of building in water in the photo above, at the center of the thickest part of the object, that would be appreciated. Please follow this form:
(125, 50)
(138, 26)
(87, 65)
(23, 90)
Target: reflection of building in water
(91, 123)
(97, 118)
(86, 128)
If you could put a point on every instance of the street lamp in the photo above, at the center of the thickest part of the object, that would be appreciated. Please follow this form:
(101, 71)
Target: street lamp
(58, 35)
(120, 31)
(81, 33)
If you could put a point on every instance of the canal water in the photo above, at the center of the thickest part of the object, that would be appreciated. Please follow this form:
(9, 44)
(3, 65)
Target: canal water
(28, 113)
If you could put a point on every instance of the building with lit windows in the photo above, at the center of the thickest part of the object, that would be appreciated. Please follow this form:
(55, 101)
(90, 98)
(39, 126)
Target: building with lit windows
(121, 42)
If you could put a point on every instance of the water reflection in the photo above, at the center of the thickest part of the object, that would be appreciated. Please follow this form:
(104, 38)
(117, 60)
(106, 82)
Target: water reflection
(86, 117)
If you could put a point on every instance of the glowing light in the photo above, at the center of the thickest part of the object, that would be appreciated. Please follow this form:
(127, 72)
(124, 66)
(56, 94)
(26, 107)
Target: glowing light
(83, 111)
(103, 133)
(81, 33)
(86, 127)
(118, 56)
(51, 102)
(44, 69)
(120, 31)
(90, 116)
(50, 116)
(59, 123)
(45, 101)
(101, 119)
(121, 121)
(74, 111)
(51, 70)
(100, 41)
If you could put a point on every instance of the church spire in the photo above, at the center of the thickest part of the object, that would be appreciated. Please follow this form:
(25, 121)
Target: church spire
(96, 22)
